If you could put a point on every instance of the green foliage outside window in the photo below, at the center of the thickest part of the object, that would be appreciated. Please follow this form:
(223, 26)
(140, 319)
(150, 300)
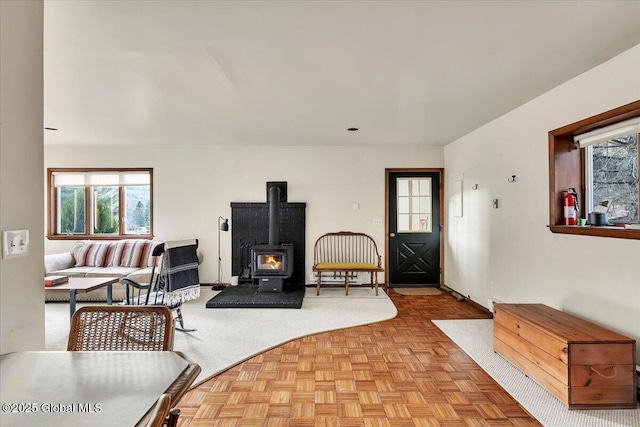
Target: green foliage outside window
(107, 206)
(71, 210)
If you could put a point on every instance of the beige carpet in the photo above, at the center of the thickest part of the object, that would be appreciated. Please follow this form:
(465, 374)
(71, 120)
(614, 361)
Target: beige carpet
(228, 336)
(418, 291)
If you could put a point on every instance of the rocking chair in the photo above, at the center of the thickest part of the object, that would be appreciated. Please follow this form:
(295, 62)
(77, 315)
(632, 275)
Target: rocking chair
(176, 282)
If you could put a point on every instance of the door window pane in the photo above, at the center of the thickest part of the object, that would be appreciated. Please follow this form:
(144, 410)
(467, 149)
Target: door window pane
(71, 210)
(415, 222)
(403, 222)
(106, 210)
(415, 205)
(425, 204)
(425, 223)
(425, 187)
(403, 205)
(414, 198)
(403, 187)
(415, 186)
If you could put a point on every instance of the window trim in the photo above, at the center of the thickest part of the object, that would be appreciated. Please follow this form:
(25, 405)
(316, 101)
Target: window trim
(52, 207)
(567, 170)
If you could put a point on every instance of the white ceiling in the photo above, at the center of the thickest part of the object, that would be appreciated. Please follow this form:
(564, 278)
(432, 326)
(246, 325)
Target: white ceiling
(302, 72)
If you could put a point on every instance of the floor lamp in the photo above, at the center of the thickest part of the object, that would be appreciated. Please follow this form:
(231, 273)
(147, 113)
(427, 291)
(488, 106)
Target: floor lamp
(222, 226)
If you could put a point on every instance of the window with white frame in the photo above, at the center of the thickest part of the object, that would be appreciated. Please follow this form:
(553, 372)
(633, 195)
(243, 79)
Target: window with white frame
(100, 203)
(611, 171)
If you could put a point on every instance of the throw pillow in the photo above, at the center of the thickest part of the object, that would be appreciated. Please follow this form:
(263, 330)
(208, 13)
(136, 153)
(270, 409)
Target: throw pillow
(152, 261)
(93, 255)
(131, 253)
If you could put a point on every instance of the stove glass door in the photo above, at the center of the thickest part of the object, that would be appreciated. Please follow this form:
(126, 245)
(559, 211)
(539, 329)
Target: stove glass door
(270, 261)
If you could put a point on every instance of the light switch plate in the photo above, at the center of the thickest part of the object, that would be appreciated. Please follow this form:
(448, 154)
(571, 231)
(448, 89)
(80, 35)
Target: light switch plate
(15, 243)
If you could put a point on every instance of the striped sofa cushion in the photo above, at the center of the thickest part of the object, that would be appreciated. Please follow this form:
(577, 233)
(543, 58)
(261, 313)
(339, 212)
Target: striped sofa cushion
(131, 253)
(93, 254)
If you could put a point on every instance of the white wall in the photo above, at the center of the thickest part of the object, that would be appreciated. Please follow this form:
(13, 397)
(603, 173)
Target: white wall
(21, 172)
(509, 253)
(194, 185)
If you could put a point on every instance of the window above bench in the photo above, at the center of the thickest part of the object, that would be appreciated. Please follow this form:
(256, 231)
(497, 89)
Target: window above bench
(599, 159)
(99, 203)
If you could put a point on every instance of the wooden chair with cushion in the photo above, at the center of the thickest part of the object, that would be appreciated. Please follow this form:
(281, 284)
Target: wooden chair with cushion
(346, 253)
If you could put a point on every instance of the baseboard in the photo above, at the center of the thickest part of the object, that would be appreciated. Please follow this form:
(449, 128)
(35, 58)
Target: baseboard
(467, 299)
(479, 306)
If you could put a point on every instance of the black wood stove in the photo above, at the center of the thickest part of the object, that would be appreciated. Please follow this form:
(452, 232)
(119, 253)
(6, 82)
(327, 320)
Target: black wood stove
(273, 263)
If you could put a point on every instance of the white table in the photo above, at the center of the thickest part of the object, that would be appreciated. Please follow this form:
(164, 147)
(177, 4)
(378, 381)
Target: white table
(101, 388)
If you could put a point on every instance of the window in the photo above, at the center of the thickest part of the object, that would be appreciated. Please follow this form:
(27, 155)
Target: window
(611, 169)
(100, 203)
(414, 205)
(598, 156)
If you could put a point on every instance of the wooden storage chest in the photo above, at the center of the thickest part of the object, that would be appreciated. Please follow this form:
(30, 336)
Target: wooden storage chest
(584, 365)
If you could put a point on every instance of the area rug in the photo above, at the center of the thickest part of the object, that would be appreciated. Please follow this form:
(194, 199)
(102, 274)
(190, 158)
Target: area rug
(247, 296)
(475, 337)
(227, 337)
(418, 291)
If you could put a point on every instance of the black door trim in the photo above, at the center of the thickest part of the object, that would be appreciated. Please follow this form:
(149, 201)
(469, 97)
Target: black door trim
(387, 171)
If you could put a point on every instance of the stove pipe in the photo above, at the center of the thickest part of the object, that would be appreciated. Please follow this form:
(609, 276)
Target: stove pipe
(274, 204)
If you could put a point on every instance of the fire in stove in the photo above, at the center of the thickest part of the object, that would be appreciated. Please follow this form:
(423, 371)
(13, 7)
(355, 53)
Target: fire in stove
(270, 262)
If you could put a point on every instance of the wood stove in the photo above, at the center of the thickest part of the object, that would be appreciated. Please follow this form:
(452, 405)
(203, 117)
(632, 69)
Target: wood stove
(273, 263)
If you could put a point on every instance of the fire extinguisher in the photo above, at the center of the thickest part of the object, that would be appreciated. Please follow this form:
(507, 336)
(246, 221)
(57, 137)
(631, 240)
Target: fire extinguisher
(571, 206)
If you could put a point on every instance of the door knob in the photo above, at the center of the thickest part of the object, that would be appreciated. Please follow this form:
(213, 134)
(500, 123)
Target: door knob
(392, 234)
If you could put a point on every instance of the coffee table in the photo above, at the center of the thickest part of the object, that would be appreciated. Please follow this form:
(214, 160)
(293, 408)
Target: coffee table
(82, 285)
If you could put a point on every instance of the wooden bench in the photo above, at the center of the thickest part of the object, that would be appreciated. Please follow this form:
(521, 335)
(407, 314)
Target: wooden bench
(582, 364)
(346, 252)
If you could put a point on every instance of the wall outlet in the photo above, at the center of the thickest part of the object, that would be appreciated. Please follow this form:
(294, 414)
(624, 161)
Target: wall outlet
(15, 243)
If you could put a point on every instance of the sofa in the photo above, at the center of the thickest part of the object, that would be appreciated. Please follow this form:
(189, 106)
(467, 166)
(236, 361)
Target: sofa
(131, 259)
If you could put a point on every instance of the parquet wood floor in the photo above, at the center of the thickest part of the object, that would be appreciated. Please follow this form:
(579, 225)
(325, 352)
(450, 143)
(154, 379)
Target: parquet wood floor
(401, 372)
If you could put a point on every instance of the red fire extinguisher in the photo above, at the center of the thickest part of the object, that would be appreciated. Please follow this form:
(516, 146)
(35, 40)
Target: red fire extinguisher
(571, 206)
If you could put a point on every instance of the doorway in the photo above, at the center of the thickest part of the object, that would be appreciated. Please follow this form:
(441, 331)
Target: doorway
(414, 227)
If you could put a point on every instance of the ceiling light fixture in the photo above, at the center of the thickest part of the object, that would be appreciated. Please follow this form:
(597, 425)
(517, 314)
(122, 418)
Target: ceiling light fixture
(50, 129)
(352, 129)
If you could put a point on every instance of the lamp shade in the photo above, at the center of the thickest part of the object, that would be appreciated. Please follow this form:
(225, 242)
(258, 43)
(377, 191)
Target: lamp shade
(225, 225)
